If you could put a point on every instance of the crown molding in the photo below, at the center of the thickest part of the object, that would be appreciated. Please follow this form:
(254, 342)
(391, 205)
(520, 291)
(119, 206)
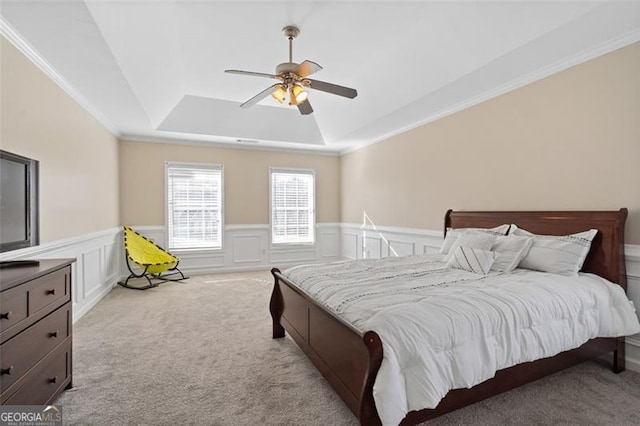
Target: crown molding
(226, 145)
(27, 50)
(571, 61)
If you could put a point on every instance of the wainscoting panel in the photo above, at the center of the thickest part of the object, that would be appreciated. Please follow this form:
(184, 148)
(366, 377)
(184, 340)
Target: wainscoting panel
(366, 242)
(294, 254)
(371, 247)
(91, 271)
(200, 262)
(96, 269)
(429, 249)
(112, 255)
(248, 247)
(329, 242)
(350, 245)
(397, 248)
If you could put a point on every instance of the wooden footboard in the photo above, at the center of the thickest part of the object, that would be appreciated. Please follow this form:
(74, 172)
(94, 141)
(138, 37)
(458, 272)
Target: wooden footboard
(348, 359)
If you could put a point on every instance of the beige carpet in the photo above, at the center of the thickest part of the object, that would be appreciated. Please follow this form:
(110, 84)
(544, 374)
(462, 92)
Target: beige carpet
(201, 353)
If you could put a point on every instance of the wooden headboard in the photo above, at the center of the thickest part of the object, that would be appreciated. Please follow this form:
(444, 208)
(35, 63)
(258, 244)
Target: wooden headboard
(606, 257)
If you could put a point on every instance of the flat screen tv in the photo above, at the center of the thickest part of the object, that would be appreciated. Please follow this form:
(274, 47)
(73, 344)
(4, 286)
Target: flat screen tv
(18, 202)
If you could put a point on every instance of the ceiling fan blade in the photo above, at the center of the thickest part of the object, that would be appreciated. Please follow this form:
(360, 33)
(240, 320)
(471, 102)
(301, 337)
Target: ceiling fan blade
(257, 74)
(305, 108)
(307, 68)
(333, 88)
(260, 96)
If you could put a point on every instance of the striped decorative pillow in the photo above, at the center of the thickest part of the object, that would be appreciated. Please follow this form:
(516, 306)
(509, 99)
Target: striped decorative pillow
(472, 259)
(454, 233)
(563, 254)
(472, 239)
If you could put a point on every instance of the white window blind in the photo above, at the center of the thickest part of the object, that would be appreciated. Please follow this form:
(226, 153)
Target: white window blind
(194, 210)
(292, 206)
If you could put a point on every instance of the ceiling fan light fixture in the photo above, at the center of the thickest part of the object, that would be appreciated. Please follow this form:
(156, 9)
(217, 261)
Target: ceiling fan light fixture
(298, 94)
(279, 94)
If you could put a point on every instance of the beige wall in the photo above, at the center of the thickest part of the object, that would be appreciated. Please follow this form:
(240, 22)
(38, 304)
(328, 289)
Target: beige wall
(246, 180)
(78, 157)
(569, 141)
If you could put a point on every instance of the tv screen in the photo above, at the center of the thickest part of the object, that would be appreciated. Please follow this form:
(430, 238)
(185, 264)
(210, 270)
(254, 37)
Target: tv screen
(18, 202)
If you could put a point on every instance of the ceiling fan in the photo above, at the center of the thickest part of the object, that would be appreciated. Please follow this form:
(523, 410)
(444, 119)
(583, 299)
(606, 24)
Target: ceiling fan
(294, 81)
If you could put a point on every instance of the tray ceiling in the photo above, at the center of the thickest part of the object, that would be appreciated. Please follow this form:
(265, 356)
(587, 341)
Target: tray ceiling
(155, 69)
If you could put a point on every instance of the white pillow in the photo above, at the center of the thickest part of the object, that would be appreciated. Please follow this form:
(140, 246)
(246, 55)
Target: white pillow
(510, 251)
(472, 259)
(473, 239)
(454, 233)
(563, 255)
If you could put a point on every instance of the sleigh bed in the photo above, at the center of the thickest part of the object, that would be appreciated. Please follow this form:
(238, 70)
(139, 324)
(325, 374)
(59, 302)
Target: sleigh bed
(350, 359)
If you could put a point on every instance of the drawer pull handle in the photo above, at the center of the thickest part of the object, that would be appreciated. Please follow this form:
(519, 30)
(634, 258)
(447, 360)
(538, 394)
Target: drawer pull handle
(53, 334)
(6, 371)
(5, 315)
(51, 291)
(53, 380)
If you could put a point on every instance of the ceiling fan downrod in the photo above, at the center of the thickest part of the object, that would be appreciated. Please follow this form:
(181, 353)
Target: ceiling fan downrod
(291, 32)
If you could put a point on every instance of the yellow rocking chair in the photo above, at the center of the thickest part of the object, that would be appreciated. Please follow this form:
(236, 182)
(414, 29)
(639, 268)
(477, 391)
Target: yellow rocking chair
(156, 264)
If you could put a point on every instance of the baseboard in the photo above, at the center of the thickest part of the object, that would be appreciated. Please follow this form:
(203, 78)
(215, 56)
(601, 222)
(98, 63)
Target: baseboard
(231, 269)
(632, 355)
(80, 311)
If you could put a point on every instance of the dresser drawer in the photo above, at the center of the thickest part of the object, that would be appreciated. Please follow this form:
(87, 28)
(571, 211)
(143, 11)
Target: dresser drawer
(20, 353)
(13, 307)
(23, 305)
(48, 289)
(46, 378)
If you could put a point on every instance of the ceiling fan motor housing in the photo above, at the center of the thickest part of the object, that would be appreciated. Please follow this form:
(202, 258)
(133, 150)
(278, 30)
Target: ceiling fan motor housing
(286, 68)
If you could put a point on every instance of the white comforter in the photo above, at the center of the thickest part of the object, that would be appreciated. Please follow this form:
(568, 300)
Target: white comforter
(444, 329)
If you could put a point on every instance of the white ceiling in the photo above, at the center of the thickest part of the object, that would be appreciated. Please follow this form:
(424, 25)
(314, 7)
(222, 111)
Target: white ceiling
(154, 70)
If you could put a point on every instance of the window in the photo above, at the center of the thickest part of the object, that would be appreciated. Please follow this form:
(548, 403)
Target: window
(194, 206)
(292, 206)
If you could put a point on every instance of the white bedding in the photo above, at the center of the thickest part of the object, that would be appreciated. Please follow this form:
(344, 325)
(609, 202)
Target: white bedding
(444, 329)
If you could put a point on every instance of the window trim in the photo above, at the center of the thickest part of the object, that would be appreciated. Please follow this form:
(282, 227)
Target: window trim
(212, 166)
(311, 172)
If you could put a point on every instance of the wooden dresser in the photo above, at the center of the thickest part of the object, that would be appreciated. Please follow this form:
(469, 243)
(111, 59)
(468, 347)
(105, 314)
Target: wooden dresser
(35, 332)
